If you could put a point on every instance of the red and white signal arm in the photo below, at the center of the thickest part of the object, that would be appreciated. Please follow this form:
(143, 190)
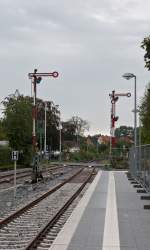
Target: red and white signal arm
(14, 155)
(55, 74)
(129, 94)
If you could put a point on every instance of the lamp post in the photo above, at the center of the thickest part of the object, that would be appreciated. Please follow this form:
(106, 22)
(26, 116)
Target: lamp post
(60, 139)
(128, 76)
(139, 142)
(60, 149)
(45, 132)
(139, 145)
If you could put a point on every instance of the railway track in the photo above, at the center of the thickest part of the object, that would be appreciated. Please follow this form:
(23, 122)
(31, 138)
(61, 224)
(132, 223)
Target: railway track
(29, 192)
(11, 172)
(18, 230)
(9, 177)
(48, 233)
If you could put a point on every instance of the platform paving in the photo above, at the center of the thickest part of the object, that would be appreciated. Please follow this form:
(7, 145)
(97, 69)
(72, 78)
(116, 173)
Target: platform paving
(110, 216)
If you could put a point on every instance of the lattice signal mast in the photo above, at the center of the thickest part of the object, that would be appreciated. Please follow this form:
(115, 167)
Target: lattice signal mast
(36, 79)
(114, 98)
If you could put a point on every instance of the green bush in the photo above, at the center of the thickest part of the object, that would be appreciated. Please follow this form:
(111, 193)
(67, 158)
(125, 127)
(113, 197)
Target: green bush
(84, 155)
(119, 163)
(25, 157)
(5, 156)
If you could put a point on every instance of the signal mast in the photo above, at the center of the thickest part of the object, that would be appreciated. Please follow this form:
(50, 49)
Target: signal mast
(114, 98)
(36, 79)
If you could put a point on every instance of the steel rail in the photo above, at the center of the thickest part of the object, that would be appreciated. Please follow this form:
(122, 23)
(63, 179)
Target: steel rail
(18, 173)
(21, 175)
(36, 201)
(38, 238)
(12, 178)
(7, 174)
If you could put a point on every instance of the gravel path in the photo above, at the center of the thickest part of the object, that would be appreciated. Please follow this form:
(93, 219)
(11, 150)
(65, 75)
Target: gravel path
(28, 192)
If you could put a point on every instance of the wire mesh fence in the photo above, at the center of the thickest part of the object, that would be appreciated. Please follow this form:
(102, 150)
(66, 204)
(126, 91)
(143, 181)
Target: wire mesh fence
(139, 161)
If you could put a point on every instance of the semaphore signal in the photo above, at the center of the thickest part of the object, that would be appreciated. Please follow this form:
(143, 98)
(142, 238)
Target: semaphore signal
(36, 79)
(114, 98)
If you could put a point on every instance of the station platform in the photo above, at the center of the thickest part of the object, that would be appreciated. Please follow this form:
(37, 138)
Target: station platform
(110, 216)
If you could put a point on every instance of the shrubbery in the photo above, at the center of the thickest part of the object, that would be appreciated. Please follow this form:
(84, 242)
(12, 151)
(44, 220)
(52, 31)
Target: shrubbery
(119, 163)
(6, 161)
(84, 155)
(5, 156)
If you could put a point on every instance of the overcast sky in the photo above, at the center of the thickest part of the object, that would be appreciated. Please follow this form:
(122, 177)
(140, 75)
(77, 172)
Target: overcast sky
(90, 43)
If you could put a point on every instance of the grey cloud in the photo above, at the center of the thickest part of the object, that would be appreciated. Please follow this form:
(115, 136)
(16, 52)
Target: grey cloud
(91, 44)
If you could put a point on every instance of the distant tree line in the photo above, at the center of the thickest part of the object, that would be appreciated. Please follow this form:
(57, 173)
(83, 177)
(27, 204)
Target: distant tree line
(16, 126)
(144, 107)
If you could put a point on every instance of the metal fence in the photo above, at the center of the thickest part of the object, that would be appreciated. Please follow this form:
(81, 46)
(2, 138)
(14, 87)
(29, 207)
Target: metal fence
(139, 161)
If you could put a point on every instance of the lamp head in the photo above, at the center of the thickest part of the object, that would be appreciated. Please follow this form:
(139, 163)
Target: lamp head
(128, 76)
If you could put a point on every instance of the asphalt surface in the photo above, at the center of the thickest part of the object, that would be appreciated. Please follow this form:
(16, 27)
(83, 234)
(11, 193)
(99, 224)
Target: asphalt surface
(111, 216)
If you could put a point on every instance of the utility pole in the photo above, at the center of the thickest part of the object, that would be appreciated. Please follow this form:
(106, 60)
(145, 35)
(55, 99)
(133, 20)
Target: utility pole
(36, 79)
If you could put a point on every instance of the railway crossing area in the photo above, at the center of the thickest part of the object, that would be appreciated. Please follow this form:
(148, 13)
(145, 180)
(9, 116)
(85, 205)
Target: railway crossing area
(110, 216)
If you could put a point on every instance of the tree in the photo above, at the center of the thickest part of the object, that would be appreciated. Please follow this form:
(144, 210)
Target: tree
(80, 127)
(3, 135)
(146, 46)
(68, 131)
(53, 119)
(124, 131)
(72, 132)
(145, 115)
(18, 124)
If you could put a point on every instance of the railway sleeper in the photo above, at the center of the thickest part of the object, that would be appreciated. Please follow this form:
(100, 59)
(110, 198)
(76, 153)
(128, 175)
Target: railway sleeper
(40, 248)
(48, 241)
(16, 247)
(45, 245)
(54, 230)
(20, 226)
(52, 234)
(19, 230)
(49, 238)
(22, 242)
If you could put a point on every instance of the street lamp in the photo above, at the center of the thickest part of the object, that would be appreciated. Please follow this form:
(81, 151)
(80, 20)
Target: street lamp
(139, 142)
(60, 143)
(45, 132)
(60, 137)
(128, 76)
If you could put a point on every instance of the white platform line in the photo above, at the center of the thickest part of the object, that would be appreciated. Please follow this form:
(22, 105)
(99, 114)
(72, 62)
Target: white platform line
(111, 238)
(63, 239)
